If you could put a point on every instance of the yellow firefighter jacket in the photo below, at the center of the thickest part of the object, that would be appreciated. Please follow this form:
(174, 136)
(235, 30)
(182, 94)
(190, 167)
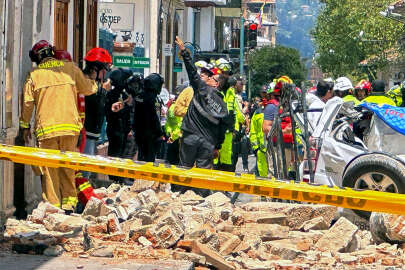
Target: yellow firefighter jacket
(52, 89)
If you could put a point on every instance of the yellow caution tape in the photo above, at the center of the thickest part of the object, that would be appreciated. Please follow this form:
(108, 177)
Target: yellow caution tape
(209, 179)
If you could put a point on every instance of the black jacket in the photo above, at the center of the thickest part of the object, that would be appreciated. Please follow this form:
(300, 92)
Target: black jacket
(94, 113)
(207, 111)
(146, 118)
(117, 121)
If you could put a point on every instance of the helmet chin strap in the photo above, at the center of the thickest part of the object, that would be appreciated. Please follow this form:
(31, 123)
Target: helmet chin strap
(98, 75)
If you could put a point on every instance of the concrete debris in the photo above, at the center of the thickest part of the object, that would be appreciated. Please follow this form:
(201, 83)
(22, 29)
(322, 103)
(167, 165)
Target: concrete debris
(339, 236)
(93, 207)
(145, 242)
(106, 251)
(101, 192)
(63, 223)
(113, 224)
(148, 197)
(218, 199)
(53, 251)
(387, 228)
(146, 221)
(43, 209)
(317, 223)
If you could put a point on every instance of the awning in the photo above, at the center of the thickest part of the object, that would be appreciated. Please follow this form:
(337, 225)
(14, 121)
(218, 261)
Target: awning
(228, 12)
(203, 3)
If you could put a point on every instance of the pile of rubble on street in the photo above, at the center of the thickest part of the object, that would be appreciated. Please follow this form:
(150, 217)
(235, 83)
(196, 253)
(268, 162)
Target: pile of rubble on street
(146, 221)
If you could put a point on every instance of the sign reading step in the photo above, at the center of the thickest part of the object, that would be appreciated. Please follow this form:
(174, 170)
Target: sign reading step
(131, 62)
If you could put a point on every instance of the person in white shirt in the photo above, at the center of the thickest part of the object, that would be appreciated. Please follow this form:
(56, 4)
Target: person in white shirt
(316, 101)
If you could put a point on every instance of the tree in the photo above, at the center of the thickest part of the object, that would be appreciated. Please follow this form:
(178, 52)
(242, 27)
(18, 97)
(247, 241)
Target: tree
(348, 32)
(268, 63)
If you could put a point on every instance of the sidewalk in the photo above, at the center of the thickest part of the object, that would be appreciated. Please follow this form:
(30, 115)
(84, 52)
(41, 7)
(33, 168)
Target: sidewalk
(34, 262)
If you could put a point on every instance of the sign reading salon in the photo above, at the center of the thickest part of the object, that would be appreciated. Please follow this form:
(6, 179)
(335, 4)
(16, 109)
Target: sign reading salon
(116, 16)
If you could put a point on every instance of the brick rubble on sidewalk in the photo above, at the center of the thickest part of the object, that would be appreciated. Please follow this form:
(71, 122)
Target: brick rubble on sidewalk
(146, 221)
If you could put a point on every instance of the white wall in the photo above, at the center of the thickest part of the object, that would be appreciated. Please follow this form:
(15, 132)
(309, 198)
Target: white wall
(188, 24)
(43, 20)
(207, 28)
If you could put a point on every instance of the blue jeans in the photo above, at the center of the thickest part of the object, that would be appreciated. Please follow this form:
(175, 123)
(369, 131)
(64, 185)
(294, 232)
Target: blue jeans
(103, 133)
(89, 149)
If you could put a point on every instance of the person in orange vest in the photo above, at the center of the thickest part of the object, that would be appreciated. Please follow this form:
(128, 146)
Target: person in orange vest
(51, 88)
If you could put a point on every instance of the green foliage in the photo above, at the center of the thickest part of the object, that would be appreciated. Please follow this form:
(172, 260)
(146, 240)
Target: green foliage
(340, 47)
(268, 63)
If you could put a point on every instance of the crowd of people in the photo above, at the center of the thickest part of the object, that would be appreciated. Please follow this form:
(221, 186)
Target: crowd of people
(207, 125)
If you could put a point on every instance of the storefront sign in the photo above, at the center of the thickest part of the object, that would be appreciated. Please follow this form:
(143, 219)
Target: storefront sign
(122, 61)
(141, 62)
(116, 16)
(167, 50)
(131, 62)
(177, 67)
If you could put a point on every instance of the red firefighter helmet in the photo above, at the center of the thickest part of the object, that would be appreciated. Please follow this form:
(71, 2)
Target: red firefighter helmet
(363, 84)
(63, 55)
(40, 45)
(41, 50)
(99, 58)
(98, 55)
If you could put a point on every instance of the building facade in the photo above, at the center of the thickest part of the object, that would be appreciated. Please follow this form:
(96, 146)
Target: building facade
(69, 25)
(75, 26)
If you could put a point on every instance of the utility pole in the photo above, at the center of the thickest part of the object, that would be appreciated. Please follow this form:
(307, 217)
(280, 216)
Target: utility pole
(242, 43)
(250, 84)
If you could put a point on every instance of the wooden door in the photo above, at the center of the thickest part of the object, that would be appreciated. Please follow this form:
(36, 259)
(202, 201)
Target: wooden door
(91, 37)
(61, 24)
(78, 32)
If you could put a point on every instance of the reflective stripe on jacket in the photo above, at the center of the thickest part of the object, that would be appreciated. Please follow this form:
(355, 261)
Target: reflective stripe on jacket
(52, 89)
(349, 98)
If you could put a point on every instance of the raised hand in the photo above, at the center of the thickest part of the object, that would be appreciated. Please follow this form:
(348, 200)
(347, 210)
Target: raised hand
(180, 43)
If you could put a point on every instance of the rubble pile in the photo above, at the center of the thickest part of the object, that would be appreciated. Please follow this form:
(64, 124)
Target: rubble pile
(146, 221)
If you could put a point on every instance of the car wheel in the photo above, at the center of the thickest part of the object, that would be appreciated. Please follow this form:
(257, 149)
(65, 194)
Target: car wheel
(375, 172)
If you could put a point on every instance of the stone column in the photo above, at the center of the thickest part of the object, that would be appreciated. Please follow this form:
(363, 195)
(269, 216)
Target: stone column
(7, 184)
(10, 42)
(153, 6)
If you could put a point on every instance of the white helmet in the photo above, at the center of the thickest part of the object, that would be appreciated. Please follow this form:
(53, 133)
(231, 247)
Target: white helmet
(223, 64)
(201, 64)
(343, 84)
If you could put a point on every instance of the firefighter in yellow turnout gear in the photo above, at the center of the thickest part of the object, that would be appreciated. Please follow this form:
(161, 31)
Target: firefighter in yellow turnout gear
(225, 161)
(52, 89)
(378, 94)
(257, 141)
